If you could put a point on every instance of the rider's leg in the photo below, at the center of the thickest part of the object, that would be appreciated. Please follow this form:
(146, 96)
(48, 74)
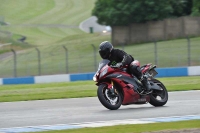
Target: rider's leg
(135, 70)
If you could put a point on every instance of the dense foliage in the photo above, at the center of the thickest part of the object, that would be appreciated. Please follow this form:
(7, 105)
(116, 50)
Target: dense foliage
(124, 12)
(181, 7)
(196, 8)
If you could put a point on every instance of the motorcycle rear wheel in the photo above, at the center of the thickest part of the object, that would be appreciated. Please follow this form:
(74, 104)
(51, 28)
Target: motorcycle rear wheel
(157, 97)
(112, 102)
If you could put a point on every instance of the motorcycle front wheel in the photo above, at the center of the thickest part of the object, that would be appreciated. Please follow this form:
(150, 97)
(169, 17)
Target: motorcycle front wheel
(108, 99)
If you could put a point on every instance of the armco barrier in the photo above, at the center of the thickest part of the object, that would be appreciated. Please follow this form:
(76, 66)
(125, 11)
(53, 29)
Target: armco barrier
(1, 81)
(194, 70)
(83, 76)
(162, 72)
(172, 72)
(20, 80)
(52, 78)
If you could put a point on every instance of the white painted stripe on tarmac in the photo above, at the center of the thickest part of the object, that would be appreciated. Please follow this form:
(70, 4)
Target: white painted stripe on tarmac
(39, 128)
(98, 124)
(113, 123)
(183, 91)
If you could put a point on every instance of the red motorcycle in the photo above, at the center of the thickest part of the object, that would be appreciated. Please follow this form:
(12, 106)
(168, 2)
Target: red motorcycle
(117, 87)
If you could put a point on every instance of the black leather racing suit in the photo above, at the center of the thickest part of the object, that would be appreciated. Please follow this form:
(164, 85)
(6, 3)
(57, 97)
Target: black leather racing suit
(118, 56)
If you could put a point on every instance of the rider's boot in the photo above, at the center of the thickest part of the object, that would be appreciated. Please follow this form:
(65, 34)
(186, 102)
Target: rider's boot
(145, 83)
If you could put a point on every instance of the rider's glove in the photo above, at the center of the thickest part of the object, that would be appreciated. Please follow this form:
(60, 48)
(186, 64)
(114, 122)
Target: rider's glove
(119, 65)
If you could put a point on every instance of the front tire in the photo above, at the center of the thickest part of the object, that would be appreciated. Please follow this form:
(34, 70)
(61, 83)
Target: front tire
(112, 102)
(159, 97)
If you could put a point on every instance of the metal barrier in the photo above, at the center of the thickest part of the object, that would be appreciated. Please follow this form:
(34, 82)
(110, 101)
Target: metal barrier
(77, 58)
(162, 72)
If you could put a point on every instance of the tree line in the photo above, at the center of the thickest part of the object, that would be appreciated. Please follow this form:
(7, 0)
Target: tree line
(125, 12)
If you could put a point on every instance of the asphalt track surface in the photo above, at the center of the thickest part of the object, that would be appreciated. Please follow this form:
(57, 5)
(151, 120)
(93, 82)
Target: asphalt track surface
(92, 22)
(80, 110)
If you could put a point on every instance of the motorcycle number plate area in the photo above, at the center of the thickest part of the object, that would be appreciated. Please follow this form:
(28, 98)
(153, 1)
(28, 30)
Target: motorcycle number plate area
(142, 100)
(153, 72)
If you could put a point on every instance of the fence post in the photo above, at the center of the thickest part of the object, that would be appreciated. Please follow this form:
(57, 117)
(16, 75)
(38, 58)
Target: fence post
(123, 45)
(189, 61)
(15, 62)
(66, 56)
(39, 61)
(155, 52)
(95, 57)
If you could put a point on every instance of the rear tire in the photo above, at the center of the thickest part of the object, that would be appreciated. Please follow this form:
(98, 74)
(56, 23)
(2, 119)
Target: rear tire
(157, 97)
(107, 100)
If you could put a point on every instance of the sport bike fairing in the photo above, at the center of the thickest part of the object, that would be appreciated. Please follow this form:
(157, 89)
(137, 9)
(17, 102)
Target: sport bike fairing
(116, 87)
(102, 64)
(123, 77)
(127, 79)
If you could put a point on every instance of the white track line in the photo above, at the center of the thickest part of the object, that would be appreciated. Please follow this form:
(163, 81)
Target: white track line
(98, 124)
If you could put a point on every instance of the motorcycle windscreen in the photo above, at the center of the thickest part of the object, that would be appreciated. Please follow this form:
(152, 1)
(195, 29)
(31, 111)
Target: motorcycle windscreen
(102, 64)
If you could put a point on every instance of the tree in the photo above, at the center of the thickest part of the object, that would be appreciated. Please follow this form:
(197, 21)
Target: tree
(124, 12)
(181, 7)
(196, 8)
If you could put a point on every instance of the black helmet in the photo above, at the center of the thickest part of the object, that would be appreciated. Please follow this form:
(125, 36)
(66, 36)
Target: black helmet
(105, 49)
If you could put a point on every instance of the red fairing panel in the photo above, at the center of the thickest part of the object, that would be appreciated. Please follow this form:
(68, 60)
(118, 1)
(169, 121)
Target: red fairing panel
(130, 96)
(146, 68)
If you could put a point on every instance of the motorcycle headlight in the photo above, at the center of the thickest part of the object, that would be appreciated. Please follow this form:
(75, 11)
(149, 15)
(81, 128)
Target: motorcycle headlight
(94, 78)
(103, 73)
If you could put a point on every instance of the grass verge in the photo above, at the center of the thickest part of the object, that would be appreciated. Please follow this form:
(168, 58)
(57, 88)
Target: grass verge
(10, 93)
(138, 128)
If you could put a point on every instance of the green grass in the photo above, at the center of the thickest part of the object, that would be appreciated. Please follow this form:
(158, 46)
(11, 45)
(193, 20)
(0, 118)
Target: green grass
(9, 93)
(33, 18)
(81, 55)
(53, 57)
(181, 83)
(137, 128)
(26, 17)
(169, 53)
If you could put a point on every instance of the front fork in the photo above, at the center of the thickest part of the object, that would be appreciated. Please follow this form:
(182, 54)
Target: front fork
(110, 87)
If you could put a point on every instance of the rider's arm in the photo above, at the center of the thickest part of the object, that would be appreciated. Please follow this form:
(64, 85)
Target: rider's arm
(126, 59)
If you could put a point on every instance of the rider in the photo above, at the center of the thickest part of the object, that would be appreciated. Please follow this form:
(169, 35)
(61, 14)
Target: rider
(120, 58)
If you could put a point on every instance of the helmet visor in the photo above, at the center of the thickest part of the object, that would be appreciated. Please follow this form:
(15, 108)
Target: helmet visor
(104, 54)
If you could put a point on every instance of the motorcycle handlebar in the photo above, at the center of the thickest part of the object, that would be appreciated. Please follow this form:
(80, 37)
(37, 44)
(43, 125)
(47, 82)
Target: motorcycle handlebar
(118, 67)
(114, 66)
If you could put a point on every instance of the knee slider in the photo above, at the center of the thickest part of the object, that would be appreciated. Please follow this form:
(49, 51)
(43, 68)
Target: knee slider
(135, 70)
